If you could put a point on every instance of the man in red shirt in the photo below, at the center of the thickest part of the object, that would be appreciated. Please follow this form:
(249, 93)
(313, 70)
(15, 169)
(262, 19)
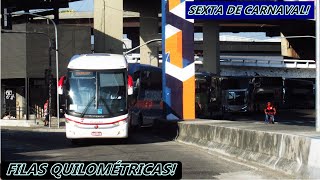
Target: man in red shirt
(270, 111)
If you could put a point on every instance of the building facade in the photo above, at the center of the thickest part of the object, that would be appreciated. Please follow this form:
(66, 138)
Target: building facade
(27, 51)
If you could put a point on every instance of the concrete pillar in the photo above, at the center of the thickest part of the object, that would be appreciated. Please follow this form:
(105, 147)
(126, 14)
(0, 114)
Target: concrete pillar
(148, 31)
(286, 48)
(211, 47)
(134, 37)
(108, 26)
(178, 67)
(20, 105)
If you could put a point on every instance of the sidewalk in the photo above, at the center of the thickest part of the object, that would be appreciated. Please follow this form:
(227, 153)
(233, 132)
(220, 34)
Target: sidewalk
(36, 129)
(33, 125)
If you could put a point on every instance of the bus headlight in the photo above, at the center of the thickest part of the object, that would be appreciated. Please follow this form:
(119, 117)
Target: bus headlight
(120, 122)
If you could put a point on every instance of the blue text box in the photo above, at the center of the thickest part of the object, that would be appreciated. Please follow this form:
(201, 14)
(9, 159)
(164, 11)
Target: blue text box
(249, 10)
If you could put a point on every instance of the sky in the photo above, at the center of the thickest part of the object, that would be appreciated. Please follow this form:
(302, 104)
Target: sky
(84, 5)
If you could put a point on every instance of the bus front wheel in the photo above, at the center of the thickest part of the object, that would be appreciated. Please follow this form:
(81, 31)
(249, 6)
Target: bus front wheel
(75, 141)
(125, 140)
(140, 121)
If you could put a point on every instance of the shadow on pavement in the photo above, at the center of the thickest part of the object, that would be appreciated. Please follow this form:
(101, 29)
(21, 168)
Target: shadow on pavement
(15, 143)
(299, 117)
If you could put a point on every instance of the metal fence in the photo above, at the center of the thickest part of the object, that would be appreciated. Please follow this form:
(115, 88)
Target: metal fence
(35, 112)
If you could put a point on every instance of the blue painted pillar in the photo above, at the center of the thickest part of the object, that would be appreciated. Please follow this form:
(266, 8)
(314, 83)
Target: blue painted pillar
(178, 66)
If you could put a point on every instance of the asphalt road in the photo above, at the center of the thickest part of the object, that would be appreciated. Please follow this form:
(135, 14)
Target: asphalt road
(20, 144)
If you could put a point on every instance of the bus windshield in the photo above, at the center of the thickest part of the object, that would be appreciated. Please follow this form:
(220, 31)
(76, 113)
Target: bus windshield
(97, 93)
(236, 98)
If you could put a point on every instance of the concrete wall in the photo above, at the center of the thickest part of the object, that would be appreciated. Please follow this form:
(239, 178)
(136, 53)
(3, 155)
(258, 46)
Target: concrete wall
(71, 40)
(13, 53)
(29, 53)
(283, 151)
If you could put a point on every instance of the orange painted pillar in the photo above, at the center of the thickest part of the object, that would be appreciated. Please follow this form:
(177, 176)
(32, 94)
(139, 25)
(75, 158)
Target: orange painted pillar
(178, 61)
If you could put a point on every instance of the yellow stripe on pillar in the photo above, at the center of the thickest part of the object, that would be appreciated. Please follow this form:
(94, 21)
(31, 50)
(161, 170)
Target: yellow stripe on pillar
(174, 46)
(189, 99)
(173, 4)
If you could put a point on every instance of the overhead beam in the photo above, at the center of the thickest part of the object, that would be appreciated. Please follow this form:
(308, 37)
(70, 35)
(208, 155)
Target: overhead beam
(20, 5)
(43, 13)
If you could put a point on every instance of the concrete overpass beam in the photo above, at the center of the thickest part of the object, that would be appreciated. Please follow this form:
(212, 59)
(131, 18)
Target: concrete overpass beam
(287, 50)
(108, 26)
(247, 71)
(148, 31)
(211, 47)
(135, 38)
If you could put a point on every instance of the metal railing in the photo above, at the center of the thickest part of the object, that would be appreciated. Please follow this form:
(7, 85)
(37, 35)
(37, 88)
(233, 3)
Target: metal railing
(286, 63)
(35, 112)
(13, 112)
(255, 62)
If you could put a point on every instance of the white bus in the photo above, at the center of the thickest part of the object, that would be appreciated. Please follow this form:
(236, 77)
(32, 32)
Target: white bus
(95, 91)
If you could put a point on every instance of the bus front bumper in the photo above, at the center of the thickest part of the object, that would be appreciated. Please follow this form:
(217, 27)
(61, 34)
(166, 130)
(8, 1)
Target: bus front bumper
(76, 131)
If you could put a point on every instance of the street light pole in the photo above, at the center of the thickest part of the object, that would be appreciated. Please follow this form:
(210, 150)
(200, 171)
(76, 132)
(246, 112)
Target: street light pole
(57, 55)
(148, 42)
(317, 66)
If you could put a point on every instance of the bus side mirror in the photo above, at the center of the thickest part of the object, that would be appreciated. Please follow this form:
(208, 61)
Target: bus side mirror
(130, 91)
(61, 88)
(61, 85)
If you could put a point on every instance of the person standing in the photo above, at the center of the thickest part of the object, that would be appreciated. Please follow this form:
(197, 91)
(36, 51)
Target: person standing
(46, 113)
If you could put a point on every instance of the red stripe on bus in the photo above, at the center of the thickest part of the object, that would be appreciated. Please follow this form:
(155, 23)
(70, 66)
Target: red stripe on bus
(95, 123)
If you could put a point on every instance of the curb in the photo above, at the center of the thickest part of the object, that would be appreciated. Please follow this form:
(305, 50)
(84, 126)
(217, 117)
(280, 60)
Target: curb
(291, 154)
(34, 129)
(26, 123)
(49, 130)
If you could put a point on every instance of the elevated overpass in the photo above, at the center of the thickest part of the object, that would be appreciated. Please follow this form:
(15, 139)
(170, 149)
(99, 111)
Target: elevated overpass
(49, 7)
(147, 26)
(241, 65)
(132, 23)
(292, 47)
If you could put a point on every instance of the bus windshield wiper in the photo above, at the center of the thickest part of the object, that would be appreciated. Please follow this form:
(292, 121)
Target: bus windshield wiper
(87, 107)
